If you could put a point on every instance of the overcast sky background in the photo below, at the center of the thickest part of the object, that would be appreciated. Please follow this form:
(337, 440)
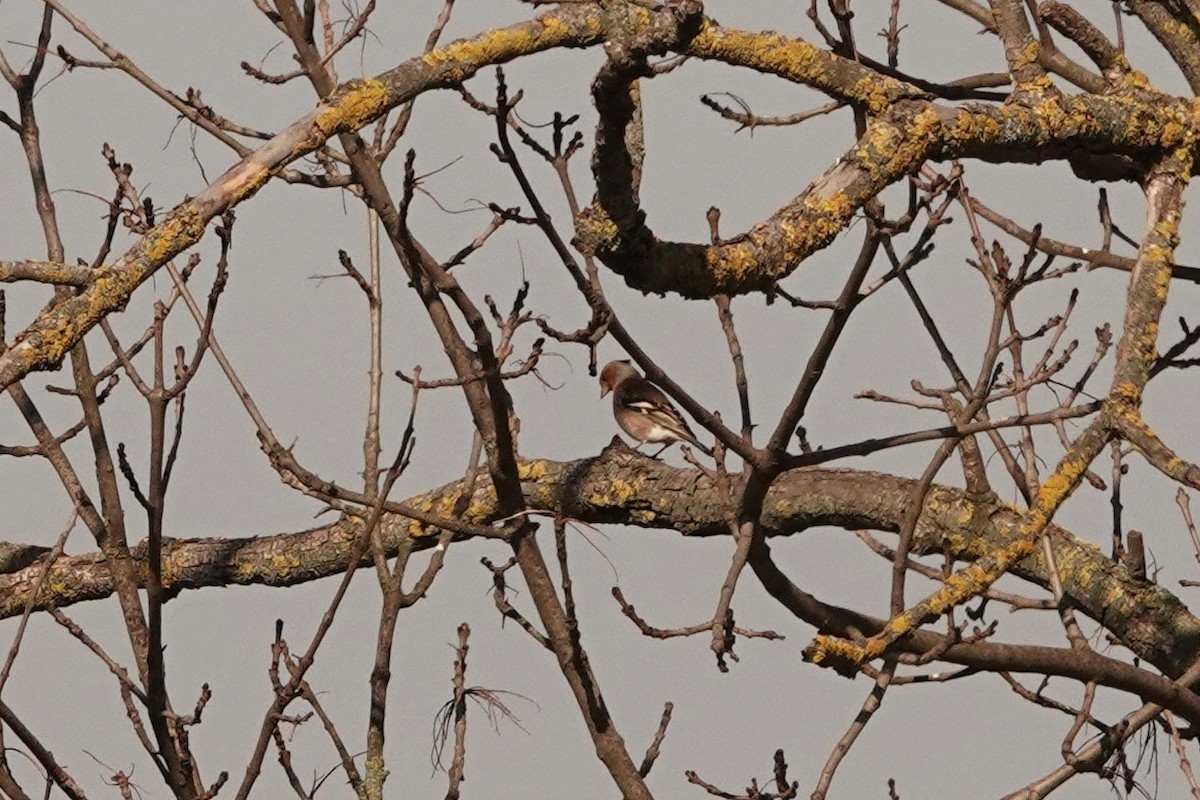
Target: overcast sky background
(300, 346)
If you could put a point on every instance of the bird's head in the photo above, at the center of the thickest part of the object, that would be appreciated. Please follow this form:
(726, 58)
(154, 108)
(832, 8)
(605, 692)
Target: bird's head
(613, 373)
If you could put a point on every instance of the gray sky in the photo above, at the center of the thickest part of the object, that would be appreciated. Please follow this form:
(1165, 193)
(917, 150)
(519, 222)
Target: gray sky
(300, 345)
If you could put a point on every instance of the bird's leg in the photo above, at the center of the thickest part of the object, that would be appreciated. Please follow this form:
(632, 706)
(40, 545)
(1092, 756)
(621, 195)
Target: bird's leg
(658, 452)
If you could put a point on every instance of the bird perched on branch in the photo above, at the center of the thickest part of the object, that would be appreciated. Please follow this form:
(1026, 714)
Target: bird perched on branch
(642, 410)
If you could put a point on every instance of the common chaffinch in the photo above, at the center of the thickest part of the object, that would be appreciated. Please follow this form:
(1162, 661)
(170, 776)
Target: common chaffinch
(642, 410)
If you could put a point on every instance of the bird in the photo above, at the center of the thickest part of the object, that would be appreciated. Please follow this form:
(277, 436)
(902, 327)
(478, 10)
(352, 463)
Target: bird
(642, 410)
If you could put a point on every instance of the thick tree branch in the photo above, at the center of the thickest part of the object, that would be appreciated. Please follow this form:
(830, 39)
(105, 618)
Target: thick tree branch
(622, 487)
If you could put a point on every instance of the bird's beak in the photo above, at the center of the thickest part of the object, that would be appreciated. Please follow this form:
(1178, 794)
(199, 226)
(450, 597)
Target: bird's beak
(603, 391)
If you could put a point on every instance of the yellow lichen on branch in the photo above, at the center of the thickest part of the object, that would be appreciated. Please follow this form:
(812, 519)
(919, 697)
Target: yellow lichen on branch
(1120, 417)
(799, 61)
(354, 105)
(977, 577)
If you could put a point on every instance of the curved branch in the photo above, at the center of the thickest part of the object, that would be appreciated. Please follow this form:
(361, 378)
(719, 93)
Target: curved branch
(1101, 137)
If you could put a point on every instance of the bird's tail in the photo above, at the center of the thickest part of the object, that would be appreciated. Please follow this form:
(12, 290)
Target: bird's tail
(688, 437)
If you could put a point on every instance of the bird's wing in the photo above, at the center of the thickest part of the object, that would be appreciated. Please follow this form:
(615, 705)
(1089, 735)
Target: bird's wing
(647, 399)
